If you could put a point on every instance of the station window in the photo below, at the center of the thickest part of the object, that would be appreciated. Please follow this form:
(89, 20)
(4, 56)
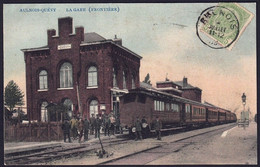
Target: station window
(93, 107)
(124, 80)
(66, 75)
(92, 76)
(114, 78)
(133, 82)
(43, 79)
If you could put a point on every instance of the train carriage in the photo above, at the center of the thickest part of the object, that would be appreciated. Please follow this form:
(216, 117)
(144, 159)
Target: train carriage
(174, 111)
(221, 116)
(212, 115)
(198, 114)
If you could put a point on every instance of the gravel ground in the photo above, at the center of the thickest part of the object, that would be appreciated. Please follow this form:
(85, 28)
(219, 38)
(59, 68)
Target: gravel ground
(239, 146)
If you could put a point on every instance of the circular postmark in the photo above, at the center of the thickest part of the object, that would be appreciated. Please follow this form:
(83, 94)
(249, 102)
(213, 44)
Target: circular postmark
(217, 27)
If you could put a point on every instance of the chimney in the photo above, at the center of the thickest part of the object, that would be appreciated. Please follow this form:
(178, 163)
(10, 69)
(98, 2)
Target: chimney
(118, 40)
(65, 26)
(185, 81)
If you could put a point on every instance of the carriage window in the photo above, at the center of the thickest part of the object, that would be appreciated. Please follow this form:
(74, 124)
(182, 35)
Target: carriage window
(176, 107)
(167, 106)
(162, 106)
(188, 108)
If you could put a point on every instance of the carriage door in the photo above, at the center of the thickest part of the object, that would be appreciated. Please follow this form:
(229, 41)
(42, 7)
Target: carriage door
(183, 113)
(207, 115)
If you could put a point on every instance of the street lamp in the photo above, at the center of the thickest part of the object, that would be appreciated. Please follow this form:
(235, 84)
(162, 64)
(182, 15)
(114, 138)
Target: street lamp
(244, 100)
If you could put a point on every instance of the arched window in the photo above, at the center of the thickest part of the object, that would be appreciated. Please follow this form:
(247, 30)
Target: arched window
(124, 80)
(43, 80)
(66, 75)
(92, 76)
(44, 113)
(114, 78)
(133, 82)
(69, 104)
(93, 107)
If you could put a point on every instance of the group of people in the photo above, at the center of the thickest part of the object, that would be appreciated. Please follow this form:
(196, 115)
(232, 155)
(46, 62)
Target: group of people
(78, 127)
(141, 128)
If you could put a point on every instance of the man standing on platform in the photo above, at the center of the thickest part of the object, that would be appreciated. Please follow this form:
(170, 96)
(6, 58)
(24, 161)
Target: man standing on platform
(86, 128)
(138, 126)
(97, 125)
(92, 122)
(74, 130)
(66, 130)
(107, 125)
(158, 127)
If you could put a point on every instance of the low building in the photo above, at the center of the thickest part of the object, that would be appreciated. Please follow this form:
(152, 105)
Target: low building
(180, 88)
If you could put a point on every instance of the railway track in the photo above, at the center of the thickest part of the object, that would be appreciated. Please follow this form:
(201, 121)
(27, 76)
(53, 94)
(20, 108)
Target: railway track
(146, 156)
(44, 155)
(48, 154)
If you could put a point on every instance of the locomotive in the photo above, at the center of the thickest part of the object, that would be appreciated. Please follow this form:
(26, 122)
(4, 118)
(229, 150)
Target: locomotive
(174, 111)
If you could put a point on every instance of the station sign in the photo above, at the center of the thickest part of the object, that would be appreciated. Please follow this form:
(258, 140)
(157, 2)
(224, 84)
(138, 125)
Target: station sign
(64, 46)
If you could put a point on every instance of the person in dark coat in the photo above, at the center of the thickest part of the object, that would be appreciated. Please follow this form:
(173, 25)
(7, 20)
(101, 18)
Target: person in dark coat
(86, 128)
(138, 126)
(144, 126)
(118, 124)
(158, 127)
(66, 130)
(107, 125)
(97, 125)
(92, 126)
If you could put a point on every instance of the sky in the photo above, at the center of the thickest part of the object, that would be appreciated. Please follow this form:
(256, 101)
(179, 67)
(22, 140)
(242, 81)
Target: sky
(163, 34)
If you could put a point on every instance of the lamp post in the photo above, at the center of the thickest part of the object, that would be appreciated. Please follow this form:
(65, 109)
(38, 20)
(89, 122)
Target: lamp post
(243, 112)
(244, 100)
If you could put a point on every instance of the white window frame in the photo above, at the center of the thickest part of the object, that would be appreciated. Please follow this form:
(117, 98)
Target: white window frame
(92, 76)
(68, 103)
(93, 107)
(66, 77)
(43, 80)
(114, 78)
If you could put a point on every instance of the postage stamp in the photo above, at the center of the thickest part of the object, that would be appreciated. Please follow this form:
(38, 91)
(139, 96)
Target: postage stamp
(222, 25)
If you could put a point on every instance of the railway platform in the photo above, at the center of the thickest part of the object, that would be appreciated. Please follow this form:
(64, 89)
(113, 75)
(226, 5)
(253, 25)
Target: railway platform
(16, 147)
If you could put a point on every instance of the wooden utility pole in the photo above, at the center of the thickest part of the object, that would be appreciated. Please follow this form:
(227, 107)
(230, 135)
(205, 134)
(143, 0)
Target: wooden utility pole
(79, 104)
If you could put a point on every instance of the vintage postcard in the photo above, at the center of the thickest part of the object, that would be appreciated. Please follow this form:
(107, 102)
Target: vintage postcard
(130, 84)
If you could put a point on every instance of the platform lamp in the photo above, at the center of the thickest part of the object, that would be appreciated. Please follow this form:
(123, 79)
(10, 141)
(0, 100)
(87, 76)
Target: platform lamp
(244, 100)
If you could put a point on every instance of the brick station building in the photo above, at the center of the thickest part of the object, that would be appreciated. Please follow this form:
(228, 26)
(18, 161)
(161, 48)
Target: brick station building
(84, 71)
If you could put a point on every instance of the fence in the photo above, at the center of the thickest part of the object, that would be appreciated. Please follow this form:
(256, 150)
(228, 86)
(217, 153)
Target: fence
(33, 132)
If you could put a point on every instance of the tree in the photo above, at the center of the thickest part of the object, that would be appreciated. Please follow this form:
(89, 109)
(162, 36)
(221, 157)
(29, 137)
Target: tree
(13, 95)
(147, 79)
